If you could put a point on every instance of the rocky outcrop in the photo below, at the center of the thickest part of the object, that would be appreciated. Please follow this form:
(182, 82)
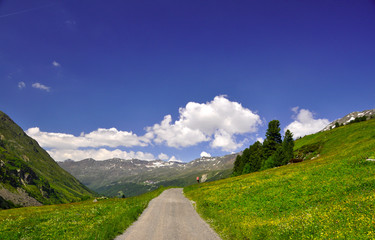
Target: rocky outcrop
(18, 198)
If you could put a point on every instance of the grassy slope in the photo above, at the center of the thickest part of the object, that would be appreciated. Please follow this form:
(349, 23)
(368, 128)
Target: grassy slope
(330, 197)
(17, 146)
(104, 219)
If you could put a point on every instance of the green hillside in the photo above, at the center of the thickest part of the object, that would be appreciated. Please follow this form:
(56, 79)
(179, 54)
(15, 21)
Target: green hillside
(330, 196)
(28, 175)
(101, 219)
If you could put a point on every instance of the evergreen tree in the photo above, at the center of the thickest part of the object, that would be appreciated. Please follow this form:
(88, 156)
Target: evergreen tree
(288, 145)
(283, 153)
(273, 139)
(237, 166)
(273, 152)
(255, 158)
(244, 159)
(275, 159)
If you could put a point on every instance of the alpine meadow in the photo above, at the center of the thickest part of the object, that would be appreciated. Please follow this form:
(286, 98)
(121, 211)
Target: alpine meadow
(330, 195)
(232, 120)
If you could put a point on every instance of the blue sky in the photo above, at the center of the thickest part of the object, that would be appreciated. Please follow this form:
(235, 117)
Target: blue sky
(173, 79)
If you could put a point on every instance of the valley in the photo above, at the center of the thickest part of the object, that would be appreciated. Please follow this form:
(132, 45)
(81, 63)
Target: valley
(327, 195)
(134, 177)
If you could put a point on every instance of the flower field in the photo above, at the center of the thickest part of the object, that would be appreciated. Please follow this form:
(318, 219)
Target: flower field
(331, 196)
(84, 220)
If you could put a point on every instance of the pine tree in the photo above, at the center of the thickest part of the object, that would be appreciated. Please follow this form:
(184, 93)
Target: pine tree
(237, 166)
(255, 158)
(288, 145)
(275, 160)
(273, 152)
(283, 153)
(243, 160)
(273, 139)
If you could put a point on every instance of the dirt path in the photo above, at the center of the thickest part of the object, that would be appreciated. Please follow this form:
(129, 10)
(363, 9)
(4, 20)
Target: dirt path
(169, 216)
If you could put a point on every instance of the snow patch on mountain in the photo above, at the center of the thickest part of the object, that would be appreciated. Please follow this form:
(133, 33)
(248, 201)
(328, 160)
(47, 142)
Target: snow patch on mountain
(350, 117)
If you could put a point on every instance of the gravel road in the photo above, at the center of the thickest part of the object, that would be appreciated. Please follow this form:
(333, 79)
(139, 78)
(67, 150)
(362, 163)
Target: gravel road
(169, 216)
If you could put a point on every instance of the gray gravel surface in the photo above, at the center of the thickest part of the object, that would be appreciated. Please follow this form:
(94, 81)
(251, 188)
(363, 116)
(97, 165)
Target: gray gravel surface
(169, 216)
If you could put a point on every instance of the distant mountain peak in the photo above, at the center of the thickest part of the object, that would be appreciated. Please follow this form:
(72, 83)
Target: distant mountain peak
(136, 176)
(350, 117)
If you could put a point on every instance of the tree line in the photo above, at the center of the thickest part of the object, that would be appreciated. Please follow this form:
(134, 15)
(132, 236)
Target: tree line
(273, 152)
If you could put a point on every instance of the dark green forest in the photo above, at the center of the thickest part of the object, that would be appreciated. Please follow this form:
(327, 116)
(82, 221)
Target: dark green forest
(274, 152)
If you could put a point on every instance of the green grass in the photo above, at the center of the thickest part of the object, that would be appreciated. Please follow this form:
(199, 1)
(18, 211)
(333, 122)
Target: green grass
(104, 219)
(50, 183)
(329, 197)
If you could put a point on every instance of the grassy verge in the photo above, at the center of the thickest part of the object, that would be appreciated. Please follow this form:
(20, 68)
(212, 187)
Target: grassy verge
(104, 219)
(329, 197)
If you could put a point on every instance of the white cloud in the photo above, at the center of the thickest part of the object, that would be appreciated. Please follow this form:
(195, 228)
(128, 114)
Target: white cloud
(216, 121)
(260, 139)
(163, 156)
(97, 154)
(41, 87)
(56, 64)
(205, 154)
(295, 109)
(21, 85)
(176, 135)
(173, 159)
(113, 138)
(225, 141)
(305, 123)
(98, 138)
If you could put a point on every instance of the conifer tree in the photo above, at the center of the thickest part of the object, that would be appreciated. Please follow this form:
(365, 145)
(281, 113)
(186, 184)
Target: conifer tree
(275, 160)
(237, 166)
(255, 158)
(288, 145)
(273, 139)
(273, 152)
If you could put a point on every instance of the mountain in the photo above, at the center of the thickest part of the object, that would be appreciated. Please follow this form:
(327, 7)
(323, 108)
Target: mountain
(28, 175)
(133, 177)
(351, 117)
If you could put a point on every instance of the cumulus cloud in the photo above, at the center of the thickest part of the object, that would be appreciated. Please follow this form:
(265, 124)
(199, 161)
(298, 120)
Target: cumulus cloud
(216, 122)
(41, 87)
(225, 141)
(205, 154)
(305, 124)
(63, 146)
(163, 156)
(174, 159)
(176, 134)
(97, 154)
(98, 138)
(56, 64)
(21, 85)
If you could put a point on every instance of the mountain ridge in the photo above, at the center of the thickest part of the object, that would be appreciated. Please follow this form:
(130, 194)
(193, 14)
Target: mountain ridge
(107, 176)
(28, 175)
(351, 117)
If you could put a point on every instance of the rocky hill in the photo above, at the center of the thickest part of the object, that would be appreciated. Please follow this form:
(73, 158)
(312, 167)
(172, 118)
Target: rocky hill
(351, 117)
(133, 177)
(28, 175)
